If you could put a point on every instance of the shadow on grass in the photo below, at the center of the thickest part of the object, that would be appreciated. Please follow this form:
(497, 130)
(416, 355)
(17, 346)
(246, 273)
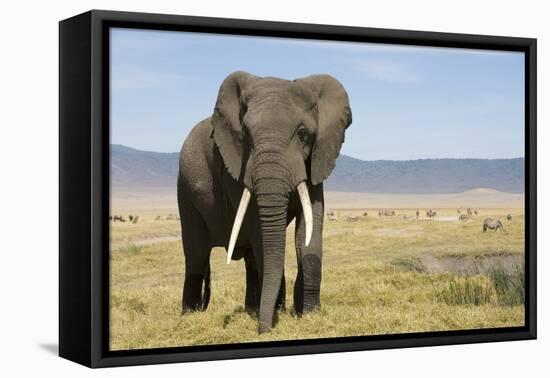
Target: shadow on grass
(237, 311)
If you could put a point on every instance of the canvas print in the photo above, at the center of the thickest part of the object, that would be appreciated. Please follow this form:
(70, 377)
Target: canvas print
(269, 189)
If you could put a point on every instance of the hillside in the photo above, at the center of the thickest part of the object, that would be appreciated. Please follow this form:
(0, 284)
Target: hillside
(131, 167)
(427, 175)
(135, 168)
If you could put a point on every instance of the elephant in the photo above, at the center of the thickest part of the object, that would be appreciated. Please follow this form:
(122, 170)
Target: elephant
(257, 163)
(492, 224)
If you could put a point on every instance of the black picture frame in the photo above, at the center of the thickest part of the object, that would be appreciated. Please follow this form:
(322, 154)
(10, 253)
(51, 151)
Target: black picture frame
(84, 187)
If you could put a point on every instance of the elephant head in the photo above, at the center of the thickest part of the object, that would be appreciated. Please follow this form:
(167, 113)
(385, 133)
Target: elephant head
(277, 137)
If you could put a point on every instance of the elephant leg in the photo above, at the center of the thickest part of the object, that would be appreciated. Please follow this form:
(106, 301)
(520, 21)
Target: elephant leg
(308, 280)
(281, 298)
(252, 296)
(206, 293)
(196, 287)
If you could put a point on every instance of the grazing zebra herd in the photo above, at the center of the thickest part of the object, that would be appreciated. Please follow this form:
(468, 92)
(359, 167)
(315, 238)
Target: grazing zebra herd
(135, 218)
(120, 218)
(488, 223)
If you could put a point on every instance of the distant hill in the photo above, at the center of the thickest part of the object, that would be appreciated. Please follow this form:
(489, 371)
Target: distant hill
(427, 175)
(133, 168)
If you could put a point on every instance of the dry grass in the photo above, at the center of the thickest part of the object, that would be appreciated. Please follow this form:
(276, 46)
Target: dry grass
(378, 278)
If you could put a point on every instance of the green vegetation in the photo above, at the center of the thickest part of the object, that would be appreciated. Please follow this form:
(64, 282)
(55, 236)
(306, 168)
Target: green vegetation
(510, 287)
(476, 290)
(380, 276)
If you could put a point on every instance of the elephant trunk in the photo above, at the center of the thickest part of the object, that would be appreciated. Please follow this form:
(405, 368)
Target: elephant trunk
(272, 196)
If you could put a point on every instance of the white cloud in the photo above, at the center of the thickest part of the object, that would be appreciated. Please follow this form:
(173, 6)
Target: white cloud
(387, 70)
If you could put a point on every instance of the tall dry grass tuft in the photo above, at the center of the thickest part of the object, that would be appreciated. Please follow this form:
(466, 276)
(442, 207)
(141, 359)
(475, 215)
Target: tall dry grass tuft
(509, 287)
(499, 286)
(474, 290)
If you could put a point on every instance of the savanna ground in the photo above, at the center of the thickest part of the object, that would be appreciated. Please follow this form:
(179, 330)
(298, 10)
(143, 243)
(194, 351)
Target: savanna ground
(381, 275)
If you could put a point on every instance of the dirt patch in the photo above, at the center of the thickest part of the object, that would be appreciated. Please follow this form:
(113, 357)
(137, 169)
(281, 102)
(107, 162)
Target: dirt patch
(398, 231)
(477, 198)
(446, 219)
(145, 242)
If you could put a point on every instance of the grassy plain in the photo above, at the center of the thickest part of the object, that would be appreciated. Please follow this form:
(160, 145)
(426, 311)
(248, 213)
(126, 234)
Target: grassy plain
(381, 275)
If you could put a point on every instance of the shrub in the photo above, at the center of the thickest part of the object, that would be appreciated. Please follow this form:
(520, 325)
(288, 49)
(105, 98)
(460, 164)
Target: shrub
(509, 287)
(474, 290)
(500, 286)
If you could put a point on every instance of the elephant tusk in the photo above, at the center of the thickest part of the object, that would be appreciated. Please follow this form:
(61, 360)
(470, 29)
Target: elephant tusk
(241, 211)
(306, 207)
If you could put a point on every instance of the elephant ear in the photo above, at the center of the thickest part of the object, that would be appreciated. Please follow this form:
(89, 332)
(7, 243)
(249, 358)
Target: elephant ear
(227, 123)
(334, 116)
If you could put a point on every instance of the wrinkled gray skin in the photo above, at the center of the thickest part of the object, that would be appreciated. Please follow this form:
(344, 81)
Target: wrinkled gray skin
(268, 135)
(492, 224)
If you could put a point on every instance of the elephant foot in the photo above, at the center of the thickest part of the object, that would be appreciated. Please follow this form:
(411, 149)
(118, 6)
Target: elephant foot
(264, 329)
(280, 304)
(311, 307)
(194, 299)
(307, 288)
(251, 309)
(186, 309)
(306, 309)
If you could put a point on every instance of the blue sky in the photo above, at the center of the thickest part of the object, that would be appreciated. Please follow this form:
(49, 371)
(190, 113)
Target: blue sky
(407, 102)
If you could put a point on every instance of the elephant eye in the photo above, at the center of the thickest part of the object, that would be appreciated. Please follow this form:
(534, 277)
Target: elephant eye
(302, 133)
